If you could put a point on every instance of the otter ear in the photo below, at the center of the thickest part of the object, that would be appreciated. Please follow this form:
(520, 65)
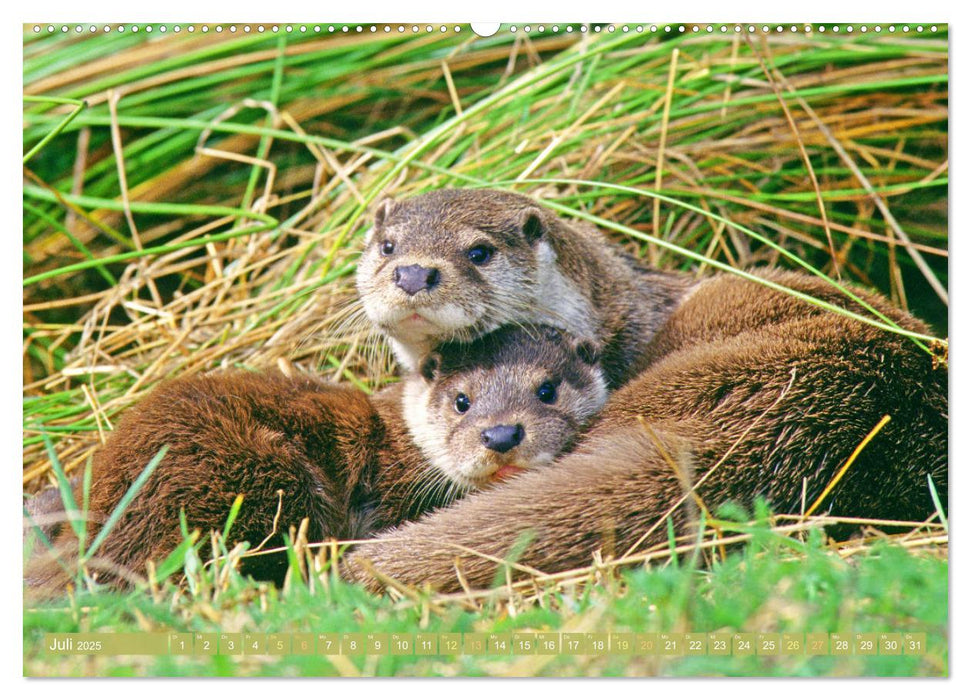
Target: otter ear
(429, 366)
(533, 225)
(383, 210)
(588, 351)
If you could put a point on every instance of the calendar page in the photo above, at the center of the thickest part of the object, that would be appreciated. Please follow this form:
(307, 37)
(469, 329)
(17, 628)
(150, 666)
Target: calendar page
(509, 350)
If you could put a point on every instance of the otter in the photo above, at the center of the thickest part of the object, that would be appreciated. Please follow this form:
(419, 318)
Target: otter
(748, 393)
(297, 447)
(504, 404)
(455, 264)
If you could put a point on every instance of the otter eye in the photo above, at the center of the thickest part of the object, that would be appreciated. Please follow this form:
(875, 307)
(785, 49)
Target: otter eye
(481, 254)
(546, 392)
(462, 403)
(387, 248)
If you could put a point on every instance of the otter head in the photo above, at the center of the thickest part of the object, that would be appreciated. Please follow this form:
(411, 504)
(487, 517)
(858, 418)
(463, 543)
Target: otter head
(512, 400)
(451, 265)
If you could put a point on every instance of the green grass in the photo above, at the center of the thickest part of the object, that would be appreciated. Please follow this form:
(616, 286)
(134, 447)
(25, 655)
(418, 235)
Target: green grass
(250, 163)
(774, 584)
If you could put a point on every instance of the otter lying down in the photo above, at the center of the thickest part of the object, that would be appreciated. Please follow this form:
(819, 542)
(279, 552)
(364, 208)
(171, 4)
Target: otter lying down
(512, 326)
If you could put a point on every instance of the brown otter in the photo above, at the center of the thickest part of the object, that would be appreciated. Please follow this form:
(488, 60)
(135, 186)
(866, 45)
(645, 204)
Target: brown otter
(748, 393)
(455, 264)
(509, 402)
(299, 447)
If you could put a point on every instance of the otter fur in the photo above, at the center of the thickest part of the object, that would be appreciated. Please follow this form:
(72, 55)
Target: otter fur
(748, 392)
(456, 264)
(232, 433)
(298, 447)
(507, 403)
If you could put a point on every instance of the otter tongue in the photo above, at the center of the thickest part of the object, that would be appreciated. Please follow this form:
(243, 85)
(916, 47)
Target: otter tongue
(506, 471)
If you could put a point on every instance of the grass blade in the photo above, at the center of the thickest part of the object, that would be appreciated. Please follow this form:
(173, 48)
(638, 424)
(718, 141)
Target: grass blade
(937, 502)
(76, 517)
(124, 502)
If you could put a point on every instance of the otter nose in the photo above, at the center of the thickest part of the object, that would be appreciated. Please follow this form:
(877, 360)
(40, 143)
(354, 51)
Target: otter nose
(414, 278)
(502, 438)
